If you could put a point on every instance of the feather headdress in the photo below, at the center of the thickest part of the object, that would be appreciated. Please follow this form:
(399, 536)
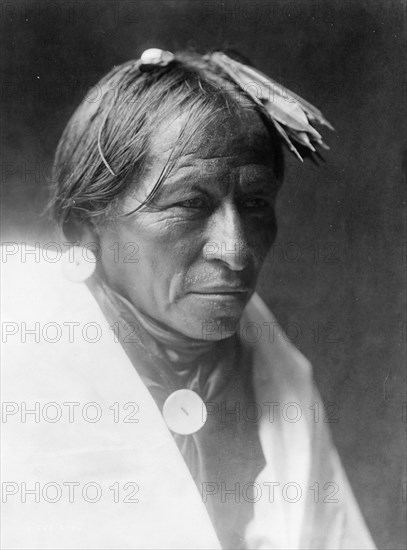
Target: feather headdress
(290, 114)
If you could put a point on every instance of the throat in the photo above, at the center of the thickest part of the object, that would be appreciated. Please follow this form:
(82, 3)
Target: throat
(183, 352)
(178, 347)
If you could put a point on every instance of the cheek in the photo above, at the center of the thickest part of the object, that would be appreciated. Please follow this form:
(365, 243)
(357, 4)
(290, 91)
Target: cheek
(153, 250)
(270, 231)
(261, 234)
(170, 239)
(117, 254)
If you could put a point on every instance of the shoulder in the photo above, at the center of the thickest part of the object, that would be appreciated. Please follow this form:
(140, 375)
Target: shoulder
(38, 283)
(269, 335)
(278, 364)
(56, 342)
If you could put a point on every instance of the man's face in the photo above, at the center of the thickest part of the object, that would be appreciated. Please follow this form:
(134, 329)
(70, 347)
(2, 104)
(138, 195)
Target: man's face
(191, 258)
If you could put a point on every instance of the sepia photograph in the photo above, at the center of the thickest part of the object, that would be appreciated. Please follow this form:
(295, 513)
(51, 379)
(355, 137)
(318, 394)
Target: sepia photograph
(203, 274)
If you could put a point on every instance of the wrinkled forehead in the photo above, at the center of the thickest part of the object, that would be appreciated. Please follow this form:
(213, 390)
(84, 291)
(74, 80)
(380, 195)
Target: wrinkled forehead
(241, 137)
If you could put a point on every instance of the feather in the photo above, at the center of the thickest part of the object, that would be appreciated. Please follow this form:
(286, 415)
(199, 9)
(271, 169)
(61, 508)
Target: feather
(290, 113)
(284, 135)
(286, 113)
(289, 96)
(302, 138)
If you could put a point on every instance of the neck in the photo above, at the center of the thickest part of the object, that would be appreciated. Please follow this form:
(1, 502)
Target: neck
(168, 337)
(177, 346)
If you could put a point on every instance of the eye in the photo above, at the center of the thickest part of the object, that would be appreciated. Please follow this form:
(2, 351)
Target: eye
(196, 202)
(256, 202)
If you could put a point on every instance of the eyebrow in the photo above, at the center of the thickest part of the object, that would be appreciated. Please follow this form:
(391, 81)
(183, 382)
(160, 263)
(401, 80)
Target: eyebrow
(188, 185)
(171, 189)
(250, 168)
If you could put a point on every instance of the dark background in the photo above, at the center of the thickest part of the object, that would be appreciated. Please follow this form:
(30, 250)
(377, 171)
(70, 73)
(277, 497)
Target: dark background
(334, 278)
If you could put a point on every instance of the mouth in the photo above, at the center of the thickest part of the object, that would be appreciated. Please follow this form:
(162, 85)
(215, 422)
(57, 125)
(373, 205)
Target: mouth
(221, 291)
(222, 294)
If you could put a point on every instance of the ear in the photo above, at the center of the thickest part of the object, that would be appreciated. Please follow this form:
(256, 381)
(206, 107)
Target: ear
(82, 234)
(89, 237)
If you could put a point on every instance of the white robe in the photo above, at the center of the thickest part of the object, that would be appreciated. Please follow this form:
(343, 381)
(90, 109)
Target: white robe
(120, 482)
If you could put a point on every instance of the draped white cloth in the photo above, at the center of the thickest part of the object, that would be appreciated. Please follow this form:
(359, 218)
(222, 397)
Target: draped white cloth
(94, 465)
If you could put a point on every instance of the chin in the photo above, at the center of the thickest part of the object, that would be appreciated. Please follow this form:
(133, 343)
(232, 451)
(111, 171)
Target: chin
(207, 319)
(213, 328)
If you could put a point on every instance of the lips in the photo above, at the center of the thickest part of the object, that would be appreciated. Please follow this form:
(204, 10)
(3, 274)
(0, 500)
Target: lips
(221, 289)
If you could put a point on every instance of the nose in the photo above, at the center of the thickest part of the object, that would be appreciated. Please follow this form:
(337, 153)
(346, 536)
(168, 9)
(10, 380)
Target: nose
(227, 240)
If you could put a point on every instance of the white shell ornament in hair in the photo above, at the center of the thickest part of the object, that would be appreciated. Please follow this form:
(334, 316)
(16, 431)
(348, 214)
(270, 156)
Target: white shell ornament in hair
(155, 57)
